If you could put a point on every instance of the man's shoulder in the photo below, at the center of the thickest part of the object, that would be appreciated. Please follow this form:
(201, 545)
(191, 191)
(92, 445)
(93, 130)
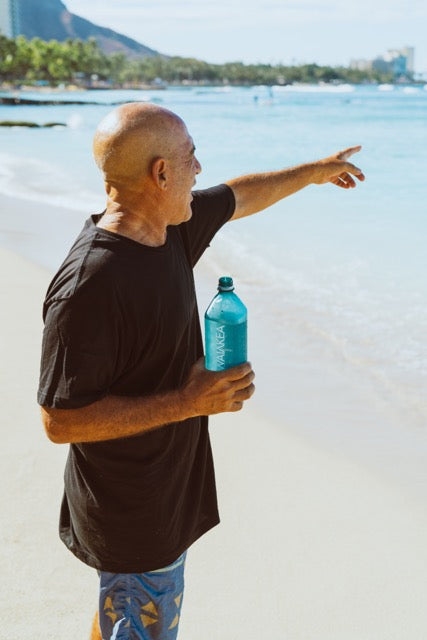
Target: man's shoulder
(206, 197)
(88, 266)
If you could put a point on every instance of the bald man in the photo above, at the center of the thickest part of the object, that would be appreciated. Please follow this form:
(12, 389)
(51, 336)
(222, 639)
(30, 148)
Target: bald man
(122, 372)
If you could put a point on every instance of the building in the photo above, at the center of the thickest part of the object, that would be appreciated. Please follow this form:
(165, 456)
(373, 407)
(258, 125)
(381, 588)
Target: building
(5, 18)
(361, 65)
(15, 13)
(398, 62)
(391, 62)
(409, 54)
(9, 18)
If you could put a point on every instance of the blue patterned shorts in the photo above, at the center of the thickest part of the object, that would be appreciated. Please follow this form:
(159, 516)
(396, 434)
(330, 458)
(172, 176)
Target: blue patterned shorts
(142, 606)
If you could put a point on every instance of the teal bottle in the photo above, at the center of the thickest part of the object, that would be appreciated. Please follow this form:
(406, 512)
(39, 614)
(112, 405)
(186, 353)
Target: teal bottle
(225, 328)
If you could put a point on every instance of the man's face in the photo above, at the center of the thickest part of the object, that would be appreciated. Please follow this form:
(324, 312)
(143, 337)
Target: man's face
(185, 168)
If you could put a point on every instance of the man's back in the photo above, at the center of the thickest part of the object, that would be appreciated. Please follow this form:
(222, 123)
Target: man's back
(127, 322)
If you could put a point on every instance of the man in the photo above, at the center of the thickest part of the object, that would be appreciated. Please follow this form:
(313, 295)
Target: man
(122, 375)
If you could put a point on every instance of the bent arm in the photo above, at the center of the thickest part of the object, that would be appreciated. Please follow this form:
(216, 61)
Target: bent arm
(113, 417)
(204, 393)
(255, 192)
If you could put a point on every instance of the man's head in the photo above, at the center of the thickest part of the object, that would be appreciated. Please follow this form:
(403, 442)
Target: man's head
(145, 151)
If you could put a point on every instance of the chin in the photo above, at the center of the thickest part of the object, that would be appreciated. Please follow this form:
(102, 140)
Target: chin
(185, 217)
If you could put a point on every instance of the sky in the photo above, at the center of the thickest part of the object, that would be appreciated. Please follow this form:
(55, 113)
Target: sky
(271, 31)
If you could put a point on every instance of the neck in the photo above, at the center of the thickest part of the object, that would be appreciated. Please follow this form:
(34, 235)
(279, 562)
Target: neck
(134, 220)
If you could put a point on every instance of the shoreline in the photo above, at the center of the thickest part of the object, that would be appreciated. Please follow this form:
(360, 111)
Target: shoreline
(71, 88)
(318, 544)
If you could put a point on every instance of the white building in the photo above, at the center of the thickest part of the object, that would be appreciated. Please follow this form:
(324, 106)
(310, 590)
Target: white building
(6, 18)
(399, 62)
(409, 53)
(9, 18)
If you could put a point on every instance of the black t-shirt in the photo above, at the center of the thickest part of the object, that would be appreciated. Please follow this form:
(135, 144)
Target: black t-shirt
(121, 319)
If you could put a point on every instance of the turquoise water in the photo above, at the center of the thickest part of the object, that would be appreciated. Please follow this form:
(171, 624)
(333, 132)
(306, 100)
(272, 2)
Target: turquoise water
(344, 269)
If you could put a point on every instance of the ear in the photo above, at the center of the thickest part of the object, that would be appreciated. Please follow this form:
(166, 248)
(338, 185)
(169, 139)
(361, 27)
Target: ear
(159, 172)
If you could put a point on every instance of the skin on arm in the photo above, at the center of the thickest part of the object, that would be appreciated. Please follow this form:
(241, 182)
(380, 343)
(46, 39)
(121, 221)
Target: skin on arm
(204, 393)
(255, 192)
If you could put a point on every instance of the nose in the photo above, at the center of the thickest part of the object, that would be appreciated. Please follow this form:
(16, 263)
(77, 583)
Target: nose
(198, 166)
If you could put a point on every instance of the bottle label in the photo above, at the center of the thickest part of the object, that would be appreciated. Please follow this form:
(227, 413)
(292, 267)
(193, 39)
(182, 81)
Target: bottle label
(225, 345)
(220, 347)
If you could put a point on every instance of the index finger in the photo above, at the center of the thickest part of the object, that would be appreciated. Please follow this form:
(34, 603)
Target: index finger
(346, 153)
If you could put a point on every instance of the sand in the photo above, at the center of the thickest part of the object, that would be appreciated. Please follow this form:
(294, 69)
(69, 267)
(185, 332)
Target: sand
(46, 592)
(312, 545)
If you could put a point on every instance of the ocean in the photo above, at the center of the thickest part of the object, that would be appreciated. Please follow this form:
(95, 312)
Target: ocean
(338, 274)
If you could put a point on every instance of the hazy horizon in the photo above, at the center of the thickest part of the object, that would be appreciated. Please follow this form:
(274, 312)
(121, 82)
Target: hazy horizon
(270, 31)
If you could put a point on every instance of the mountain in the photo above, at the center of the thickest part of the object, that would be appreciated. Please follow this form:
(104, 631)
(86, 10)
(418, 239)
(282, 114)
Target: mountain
(51, 20)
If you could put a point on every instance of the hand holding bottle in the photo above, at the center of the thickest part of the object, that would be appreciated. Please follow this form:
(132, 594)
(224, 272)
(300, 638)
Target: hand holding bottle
(209, 392)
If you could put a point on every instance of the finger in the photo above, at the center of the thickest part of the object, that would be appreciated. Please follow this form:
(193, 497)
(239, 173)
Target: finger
(235, 373)
(244, 382)
(351, 168)
(244, 394)
(346, 153)
(236, 406)
(339, 182)
(346, 177)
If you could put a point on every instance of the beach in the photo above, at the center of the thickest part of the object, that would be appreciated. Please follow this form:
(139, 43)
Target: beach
(322, 507)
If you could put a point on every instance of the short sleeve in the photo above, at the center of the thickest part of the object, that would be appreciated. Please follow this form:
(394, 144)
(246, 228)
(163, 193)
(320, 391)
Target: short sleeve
(79, 351)
(212, 208)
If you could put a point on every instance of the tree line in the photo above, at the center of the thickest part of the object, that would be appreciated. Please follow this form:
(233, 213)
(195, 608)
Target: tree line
(81, 62)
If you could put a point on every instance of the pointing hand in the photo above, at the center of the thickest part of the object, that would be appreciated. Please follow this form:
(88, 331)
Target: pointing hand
(337, 170)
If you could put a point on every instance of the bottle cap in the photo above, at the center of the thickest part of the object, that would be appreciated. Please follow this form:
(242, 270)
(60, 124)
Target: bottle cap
(225, 284)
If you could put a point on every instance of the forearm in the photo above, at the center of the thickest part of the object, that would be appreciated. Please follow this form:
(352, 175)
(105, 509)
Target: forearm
(114, 417)
(255, 192)
(203, 394)
(258, 191)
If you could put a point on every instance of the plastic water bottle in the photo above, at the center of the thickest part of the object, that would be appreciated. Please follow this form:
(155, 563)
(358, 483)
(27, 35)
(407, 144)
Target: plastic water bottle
(225, 328)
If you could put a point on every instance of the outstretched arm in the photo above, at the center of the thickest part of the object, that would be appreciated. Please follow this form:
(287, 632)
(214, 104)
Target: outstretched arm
(255, 192)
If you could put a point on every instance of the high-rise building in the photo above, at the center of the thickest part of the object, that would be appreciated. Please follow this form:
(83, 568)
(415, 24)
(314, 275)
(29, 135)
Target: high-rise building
(9, 18)
(408, 53)
(15, 14)
(5, 18)
(399, 62)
